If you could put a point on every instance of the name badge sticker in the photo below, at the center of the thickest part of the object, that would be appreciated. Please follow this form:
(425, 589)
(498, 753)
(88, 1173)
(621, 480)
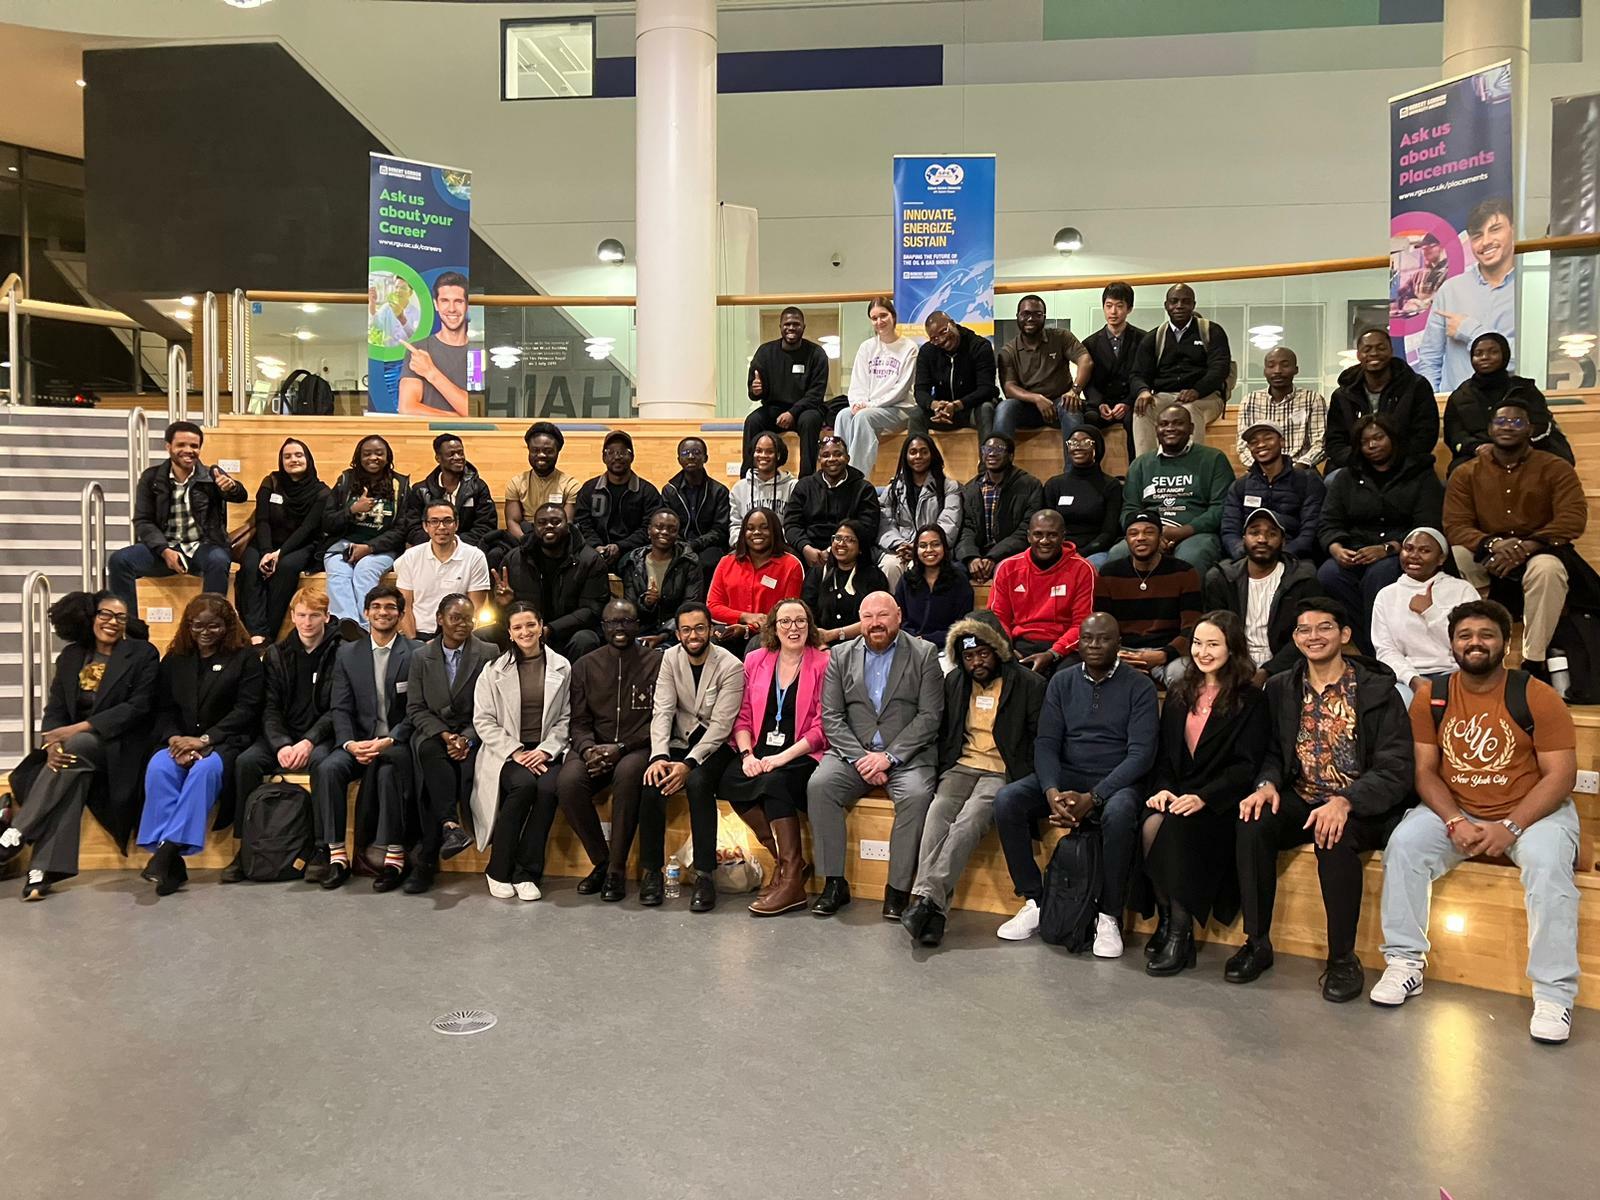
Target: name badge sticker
(1059, 589)
(275, 498)
(797, 369)
(986, 702)
(767, 581)
(216, 666)
(1066, 500)
(775, 737)
(1252, 501)
(401, 686)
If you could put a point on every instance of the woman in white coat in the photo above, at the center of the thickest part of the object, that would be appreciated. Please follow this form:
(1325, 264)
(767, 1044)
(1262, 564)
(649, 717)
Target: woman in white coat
(521, 712)
(880, 399)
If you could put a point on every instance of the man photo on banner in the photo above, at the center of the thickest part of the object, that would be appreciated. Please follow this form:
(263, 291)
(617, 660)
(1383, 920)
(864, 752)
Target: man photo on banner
(1481, 299)
(392, 309)
(434, 378)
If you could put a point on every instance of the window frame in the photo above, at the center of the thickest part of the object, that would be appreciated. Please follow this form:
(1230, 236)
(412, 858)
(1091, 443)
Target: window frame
(509, 23)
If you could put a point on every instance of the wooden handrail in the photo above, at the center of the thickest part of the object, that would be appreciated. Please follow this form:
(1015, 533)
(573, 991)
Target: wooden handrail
(1010, 287)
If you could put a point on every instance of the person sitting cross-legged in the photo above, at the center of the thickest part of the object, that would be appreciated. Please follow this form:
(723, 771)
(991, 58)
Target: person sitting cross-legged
(1495, 765)
(1096, 743)
(991, 718)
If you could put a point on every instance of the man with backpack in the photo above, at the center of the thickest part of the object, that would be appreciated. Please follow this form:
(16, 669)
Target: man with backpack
(1184, 361)
(1096, 743)
(1496, 762)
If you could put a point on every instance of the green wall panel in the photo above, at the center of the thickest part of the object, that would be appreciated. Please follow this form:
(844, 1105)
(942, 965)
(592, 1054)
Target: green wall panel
(1073, 19)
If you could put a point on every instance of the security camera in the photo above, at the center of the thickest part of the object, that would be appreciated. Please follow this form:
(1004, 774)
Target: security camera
(838, 259)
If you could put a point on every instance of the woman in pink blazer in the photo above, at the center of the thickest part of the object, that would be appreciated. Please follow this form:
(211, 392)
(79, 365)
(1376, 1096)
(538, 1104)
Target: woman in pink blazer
(780, 741)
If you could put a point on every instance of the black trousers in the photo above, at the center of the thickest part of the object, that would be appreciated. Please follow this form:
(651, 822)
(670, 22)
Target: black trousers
(385, 784)
(574, 645)
(764, 419)
(1338, 867)
(260, 760)
(522, 823)
(263, 603)
(982, 420)
(700, 789)
(576, 790)
(446, 785)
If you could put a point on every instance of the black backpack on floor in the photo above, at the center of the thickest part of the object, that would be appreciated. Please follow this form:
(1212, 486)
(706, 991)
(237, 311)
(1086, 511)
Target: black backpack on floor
(305, 394)
(1072, 891)
(276, 843)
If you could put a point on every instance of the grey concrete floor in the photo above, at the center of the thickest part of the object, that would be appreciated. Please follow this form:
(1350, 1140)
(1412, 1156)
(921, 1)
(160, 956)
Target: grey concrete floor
(273, 1041)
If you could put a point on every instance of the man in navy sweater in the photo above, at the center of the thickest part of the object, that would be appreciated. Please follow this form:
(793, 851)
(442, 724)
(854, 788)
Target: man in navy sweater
(1097, 741)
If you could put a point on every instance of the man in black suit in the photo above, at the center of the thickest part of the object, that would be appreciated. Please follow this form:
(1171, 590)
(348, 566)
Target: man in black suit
(373, 733)
(1109, 400)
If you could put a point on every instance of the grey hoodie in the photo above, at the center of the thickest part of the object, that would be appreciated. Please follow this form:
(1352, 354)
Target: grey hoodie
(751, 493)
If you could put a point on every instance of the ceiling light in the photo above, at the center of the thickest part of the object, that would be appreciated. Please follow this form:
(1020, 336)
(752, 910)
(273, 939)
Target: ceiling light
(506, 351)
(246, 3)
(81, 82)
(610, 251)
(305, 335)
(1068, 240)
(187, 301)
(1266, 329)
(308, 309)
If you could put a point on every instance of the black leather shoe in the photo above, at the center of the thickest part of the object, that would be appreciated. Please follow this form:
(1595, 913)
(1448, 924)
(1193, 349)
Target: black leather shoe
(419, 879)
(651, 887)
(705, 894)
(894, 903)
(1163, 931)
(1249, 961)
(338, 875)
(614, 889)
(835, 895)
(1177, 955)
(175, 874)
(915, 918)
(387, 879)
(933, 931)
(1344, 980)
(455, 841)
(317, 868)
(233, 872)
(593, 881)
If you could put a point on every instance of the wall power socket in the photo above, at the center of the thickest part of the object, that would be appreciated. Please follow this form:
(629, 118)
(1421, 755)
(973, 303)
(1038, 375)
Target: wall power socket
(1588, 782)
(874, 851)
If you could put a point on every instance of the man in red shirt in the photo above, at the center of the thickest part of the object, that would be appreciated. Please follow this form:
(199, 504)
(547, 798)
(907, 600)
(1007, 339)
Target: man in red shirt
(1042, 597)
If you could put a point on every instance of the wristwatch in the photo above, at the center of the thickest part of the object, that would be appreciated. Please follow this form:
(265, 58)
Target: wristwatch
(1516, 830)
(205, 740)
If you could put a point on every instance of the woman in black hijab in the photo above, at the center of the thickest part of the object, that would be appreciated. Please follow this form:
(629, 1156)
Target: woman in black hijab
(289, 510)
(1467, 412)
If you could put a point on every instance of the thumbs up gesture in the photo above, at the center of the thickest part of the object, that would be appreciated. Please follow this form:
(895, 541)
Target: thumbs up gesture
(757, 388)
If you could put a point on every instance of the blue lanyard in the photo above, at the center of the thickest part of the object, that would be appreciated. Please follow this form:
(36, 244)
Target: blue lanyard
(783, 694)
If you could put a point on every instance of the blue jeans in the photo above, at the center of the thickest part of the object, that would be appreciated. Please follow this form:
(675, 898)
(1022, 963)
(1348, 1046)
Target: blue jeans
(1096, 560)
(177, 801)
(348, 585)
(1020, 804)
(1420, 851)
(210, 563)
(1012, 415)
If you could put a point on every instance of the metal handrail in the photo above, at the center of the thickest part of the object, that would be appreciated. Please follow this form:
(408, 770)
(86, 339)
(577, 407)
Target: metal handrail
(138, 460)
(210, 363)
(177, 383)
(14, 341)
(92, 528)
(238, 325)
(37, 661)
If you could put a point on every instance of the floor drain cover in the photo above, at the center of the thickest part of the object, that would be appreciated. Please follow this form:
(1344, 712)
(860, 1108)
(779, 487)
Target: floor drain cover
(463, 1021)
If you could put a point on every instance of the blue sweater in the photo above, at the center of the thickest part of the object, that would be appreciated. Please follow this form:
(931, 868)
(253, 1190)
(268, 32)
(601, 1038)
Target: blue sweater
(1084, 748)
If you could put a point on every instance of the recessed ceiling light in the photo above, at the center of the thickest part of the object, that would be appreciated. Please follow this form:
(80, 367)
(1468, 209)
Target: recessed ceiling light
(246, 3)
(308, 309)
(81, 82)
(305, 335)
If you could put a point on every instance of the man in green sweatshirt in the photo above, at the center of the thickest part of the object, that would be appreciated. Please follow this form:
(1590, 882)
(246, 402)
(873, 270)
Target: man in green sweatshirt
(1187, 483)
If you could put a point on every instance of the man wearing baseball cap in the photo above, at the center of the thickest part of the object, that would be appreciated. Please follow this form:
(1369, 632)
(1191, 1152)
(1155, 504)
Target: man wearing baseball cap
(612, 507)
(1273, 481)
(1154, 597)
(1300, 413)
(1262, 588)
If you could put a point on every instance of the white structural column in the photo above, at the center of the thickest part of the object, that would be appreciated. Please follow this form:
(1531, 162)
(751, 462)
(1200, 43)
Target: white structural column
(676, 207)
(1480, 32)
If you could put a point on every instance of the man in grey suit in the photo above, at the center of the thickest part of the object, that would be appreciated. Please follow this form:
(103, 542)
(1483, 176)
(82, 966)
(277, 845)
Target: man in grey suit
(373, 734)
(882, 699)
(698, 694)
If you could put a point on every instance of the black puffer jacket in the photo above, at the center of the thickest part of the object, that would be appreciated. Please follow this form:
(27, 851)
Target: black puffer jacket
(684, 580)
(476, 518)
(1407, 400)
(1365, 507)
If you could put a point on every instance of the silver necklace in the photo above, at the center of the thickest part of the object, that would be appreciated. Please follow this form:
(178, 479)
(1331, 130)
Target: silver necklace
(1143, 576)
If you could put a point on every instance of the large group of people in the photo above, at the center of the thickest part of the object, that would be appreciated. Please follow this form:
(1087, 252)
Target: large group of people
(1318, 625)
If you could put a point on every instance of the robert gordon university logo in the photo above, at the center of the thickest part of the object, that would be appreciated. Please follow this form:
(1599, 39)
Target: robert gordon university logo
(950, 176)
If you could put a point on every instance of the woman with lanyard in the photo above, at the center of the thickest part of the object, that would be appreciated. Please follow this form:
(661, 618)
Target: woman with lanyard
(835, 588)
(780, 741)
(290, 504)
(1467, 412)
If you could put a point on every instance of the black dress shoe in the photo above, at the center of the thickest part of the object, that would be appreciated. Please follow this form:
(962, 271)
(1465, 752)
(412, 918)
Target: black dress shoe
(1177, 955)
(1163, 931)
(387, 879)
(1249, 961)
(915, 918)
(338, 875)
(175, 874)
(1344, 980)
(933, 931)
(418, 880)
(614, 888)
(317, 868)
(456, 839)
(233, 872)
(593, 881)
(894, 903)
(705, 894)
(651, 888)
(835, 895)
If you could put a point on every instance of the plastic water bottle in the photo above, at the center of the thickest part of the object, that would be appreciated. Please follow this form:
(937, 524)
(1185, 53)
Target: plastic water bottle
(1560, 676)
(674, 876)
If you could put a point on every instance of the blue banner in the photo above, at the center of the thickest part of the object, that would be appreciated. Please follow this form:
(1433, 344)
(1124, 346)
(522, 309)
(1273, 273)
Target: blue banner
(944, 240)
(418, 250)
(1452, 228)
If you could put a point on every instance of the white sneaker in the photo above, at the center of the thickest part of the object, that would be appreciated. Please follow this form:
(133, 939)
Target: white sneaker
(1022, 926)
(1107, 937)
(1400, 982)
(500, 891)
(528, 891)
(1551, 1023)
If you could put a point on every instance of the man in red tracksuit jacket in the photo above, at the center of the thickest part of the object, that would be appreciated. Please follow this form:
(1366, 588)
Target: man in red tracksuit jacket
(1043, 595)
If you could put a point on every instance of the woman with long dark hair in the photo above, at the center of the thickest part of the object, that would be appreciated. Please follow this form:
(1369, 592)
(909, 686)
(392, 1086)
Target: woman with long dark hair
(919, 494)
(96, 734)
(290, 505)
(935, 593)
(210, 692)
(835, 587)
(1213, 734)
(760, 572)
(365, 522)
(1472, 404)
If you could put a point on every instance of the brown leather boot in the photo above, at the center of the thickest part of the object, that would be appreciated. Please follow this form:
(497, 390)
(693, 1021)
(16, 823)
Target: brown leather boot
(789, 888)
(756, 819)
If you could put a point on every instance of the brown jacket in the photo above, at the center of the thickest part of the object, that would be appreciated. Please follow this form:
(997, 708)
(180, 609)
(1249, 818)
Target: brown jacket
(613, 697)
(1538, 497)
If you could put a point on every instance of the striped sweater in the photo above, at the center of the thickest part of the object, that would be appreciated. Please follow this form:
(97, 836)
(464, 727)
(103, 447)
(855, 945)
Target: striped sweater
(1162, 616)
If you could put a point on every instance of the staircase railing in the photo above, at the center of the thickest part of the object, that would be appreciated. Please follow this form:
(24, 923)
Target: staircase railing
(92, 528)
(210, 363)
(13, 339)
(238, 324)
(138, 460)
(37, 660)
(177, 384)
